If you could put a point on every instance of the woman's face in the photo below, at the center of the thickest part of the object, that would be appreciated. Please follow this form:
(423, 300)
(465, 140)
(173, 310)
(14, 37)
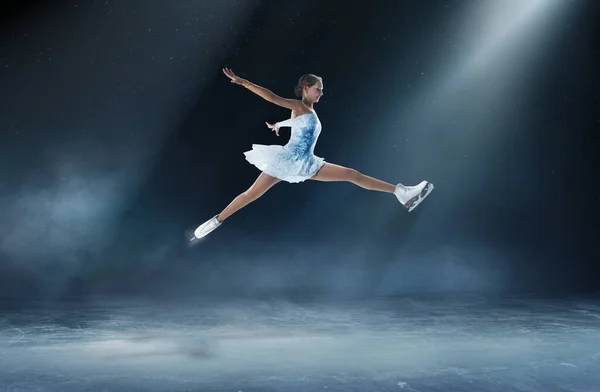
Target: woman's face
(314, 92)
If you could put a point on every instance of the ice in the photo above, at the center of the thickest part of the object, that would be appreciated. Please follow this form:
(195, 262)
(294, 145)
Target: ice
(408, 343)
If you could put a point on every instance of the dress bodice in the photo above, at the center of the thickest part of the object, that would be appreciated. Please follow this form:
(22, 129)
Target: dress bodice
(305, 132)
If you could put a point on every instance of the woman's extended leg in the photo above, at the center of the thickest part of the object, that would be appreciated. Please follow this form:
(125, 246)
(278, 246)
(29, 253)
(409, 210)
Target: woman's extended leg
(260, 186)
(331, 172)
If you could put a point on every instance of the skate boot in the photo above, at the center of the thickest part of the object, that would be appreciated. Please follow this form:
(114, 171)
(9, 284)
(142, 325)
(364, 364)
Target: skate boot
(411, 196)
(205, 228)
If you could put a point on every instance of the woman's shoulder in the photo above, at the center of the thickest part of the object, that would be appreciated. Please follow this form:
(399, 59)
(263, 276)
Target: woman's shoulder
(301, 110)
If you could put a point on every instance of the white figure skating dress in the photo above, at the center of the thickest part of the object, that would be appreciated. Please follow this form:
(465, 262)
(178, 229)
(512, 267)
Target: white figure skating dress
(295, 161)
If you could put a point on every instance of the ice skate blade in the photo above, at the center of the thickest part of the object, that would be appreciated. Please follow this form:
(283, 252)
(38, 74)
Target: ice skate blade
(415, 201)
(191, 239)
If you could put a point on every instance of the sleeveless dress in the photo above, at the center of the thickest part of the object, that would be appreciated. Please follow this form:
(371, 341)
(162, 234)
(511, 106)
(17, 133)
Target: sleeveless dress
(295, 161)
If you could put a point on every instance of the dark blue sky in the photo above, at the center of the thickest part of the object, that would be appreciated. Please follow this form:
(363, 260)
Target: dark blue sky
(120, 133)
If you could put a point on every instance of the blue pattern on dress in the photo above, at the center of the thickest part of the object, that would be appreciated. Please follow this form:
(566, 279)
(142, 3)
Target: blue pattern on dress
(295, 161)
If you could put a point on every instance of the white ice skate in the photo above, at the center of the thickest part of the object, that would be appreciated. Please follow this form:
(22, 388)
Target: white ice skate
(204, 229)
(411, 196)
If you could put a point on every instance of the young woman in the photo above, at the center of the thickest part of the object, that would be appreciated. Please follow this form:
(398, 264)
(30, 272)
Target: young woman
(295, 161)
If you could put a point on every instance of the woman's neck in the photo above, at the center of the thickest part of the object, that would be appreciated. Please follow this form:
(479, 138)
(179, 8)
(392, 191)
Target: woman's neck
(309, 104)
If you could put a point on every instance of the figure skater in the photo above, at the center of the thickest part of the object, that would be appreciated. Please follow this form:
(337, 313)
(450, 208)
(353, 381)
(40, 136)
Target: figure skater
(295, 161)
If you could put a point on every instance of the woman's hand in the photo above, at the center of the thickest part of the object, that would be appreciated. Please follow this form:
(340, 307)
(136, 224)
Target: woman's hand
(234, 79)
(273, 127)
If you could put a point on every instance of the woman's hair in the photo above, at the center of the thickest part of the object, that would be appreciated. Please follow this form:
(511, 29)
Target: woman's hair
(306, 80)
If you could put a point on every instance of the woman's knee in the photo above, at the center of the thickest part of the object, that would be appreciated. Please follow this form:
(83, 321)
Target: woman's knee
(353, 175)
(251, 194)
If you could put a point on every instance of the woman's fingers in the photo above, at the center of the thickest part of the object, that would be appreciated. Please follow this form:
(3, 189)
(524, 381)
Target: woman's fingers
(229, 74)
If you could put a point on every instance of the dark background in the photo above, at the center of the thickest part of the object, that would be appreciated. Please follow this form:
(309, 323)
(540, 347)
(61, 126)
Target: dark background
(119, 133)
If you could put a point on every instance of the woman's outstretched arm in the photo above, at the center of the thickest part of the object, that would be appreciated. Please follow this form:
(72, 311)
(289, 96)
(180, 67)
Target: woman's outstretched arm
(292, 104)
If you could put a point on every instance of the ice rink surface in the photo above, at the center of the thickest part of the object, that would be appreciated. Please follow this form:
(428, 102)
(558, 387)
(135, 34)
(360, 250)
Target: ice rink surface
(408, 343)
